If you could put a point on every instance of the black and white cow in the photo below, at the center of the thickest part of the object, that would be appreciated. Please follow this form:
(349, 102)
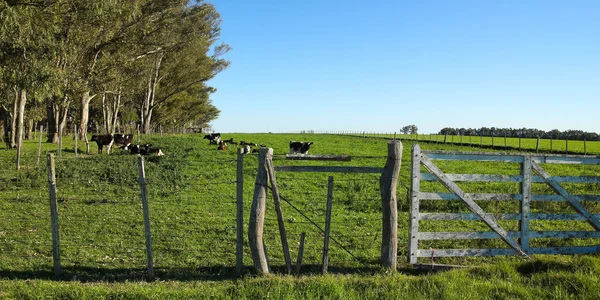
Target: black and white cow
(299, 147)
(213, 138)
(145, 150)
(124, 140)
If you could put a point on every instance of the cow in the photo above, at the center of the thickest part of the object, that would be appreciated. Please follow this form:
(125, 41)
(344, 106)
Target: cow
(246, 149)
(213, 138)
(231, 141)
(244, 143)
(222, 146)
(299, 147)
(123, 140)
(145, 150)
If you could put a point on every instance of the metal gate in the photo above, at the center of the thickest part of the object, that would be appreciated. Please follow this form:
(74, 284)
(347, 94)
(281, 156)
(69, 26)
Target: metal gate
(517, 242)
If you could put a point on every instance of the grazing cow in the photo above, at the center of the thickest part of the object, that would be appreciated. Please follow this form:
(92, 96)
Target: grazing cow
(243, 143)
(246, 149)
(109, 139)
(299, 147)
(230, 141)
(146, 150)
(213, 138)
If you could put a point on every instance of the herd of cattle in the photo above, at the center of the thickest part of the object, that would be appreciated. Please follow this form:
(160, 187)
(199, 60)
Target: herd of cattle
(124, 141)
(215, 138)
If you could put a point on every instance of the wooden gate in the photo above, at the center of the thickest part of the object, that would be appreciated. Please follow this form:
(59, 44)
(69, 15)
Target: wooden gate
(517, 241)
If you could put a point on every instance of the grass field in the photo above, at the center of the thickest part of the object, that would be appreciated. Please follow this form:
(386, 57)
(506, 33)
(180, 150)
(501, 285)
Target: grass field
(192, 209)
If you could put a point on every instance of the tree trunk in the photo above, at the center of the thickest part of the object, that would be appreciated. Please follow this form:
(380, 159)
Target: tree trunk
(29, 132)
(20, 123)
(13, 127)
(85, 114)
(115, 110)
(5, 127)
(151, 93)
(52, 116)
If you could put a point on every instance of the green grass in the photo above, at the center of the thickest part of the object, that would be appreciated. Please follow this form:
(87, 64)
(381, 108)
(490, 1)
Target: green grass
(193, 210)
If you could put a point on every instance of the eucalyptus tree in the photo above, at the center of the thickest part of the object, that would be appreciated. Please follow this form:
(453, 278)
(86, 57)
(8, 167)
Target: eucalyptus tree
(178, 55)
(27, 47)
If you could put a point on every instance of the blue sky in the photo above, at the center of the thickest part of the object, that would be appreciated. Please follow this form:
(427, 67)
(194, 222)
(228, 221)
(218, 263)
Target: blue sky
(379, 65)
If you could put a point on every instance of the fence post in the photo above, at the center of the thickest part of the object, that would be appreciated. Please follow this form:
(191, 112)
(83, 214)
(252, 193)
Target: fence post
(388, 183)
(53, 214)
(145, 209)
(584, 146)
(300, 253)
(327, 224)
(75, 133)
(537, 145)
(60, 130)
(280, 221)
(550, 145)
(239, 250)
(87, 143)
(567, 146)
(415, 182)
(39, 152)
(257, 214)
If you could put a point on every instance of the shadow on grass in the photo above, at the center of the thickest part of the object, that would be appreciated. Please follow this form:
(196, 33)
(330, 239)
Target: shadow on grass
(214, 273)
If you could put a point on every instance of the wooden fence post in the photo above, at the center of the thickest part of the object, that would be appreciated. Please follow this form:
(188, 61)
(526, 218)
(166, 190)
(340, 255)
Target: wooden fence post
(75, 133)
(53, 214)
(257, 214)
(300, 253)
(537, 145)
(39, 152)
(87, 143)
(280, 221)
(60, 130)
(146, 211)
(584, 146)
(551, 145)
(327, 224)
(239, 250)
(388, 183)
(567, 146)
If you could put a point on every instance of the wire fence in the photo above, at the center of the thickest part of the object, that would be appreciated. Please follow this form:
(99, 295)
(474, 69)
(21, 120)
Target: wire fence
(192, 221)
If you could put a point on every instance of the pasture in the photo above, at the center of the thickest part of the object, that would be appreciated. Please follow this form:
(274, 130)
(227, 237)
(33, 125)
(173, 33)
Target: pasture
(192, 198)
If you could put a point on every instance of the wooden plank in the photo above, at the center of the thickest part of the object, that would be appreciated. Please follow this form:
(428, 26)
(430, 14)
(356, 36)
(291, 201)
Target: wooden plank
(567, 160)
(329, 169)
(561, 191)
(501, 197)
(474, 157)
(257, 215)
(474, 217)
(475, 177)
(472, 205)
(318, 157)
(513, 234)
(510, 178)
(474, 196)
(524, 208)
(415, 181)
(496, 252)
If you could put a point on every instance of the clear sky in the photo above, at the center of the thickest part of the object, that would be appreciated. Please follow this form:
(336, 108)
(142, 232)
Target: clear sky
(332, 65)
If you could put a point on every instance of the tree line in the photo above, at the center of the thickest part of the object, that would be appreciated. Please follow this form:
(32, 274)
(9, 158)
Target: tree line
(523, 133)
(107, 65)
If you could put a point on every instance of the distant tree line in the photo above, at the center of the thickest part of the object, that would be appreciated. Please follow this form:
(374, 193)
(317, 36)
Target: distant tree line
(522, 132)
